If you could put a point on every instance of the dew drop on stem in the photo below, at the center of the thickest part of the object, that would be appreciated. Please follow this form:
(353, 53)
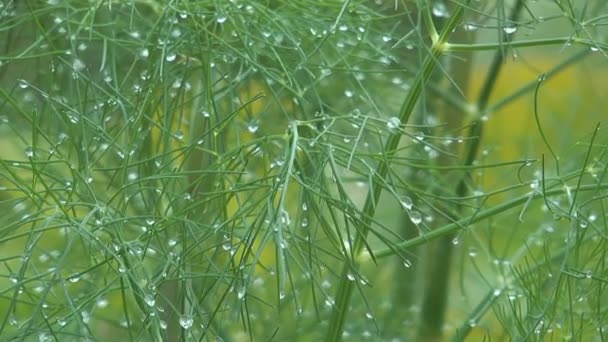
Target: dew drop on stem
(186, 321)
(415, 217)
(393, 123)
(29, 152)
(440, 10)
(149, 300)
(406, 203)
(509, 29)
(253, 125)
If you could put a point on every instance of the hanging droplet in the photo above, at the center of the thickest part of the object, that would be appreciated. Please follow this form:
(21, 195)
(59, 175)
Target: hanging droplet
(393, 123)
(440, 10)
(171, 57)
(240, 293)
(406, 203)
(149, 300)
(29, 152)
(78, 65)
(144, 53)
(186, 321)
(221, 19)
(415, 217)
(472, 252)
(253, 125)
(509, 29)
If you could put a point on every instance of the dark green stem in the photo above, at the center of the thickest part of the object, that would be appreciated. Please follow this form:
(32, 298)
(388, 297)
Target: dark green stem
(345, 288)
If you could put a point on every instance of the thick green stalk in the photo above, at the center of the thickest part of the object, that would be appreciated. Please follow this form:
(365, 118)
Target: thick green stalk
(439, 259)
(345, 288)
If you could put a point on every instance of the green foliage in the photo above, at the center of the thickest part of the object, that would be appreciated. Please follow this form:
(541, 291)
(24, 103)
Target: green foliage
(302, 170)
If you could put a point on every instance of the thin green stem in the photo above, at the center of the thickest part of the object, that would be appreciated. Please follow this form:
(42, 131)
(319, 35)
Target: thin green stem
(467, 221)
(526, 43)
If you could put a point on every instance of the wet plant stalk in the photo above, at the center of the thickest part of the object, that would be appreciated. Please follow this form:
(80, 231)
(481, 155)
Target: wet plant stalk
(345, 287)
(435, 300)
(439, 253)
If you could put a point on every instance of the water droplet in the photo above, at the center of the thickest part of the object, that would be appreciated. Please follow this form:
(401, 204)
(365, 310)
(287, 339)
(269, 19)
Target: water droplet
(509, 29)
(171, 57)
(283, 244)
(472, 252)
(23, 84)
(497, 292)
(415, 217)
(407, 263)
(149, 300)
(179, 134)
(132, 176)
(29, 152)
(369, 315)
(284, 217)
(456, 240)
(304, 222)
(440, 10)
(406, 203)
(205, 114)
(348, 93)
(393, 123)
(253, 125)
(240, 293)
(74, 279)
(583, 224)
(144, 53)
(221, 18)
(350, 276)
(78, 65)
(470, 27)
(102, 303)
(186, 321)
